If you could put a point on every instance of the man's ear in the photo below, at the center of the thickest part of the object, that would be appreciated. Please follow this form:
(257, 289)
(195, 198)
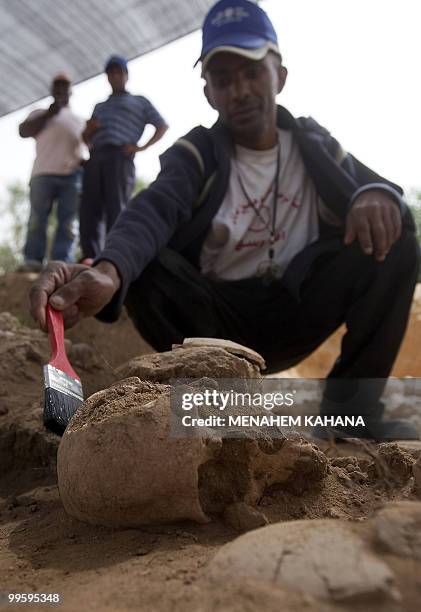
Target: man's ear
(208, 96)
(282, 77)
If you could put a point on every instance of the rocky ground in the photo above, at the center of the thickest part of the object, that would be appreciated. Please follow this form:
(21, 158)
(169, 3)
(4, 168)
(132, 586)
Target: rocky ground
(292, 527)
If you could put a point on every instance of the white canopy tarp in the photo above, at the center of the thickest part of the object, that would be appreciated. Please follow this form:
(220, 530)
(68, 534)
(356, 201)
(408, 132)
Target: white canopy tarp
(39, 38)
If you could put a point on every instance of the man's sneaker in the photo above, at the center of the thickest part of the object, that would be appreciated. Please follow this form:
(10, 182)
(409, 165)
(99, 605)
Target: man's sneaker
(380, 430)
(375, 426)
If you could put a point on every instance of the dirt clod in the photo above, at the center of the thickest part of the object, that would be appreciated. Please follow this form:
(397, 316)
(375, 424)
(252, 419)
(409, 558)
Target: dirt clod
(398, 528)
(242, 517)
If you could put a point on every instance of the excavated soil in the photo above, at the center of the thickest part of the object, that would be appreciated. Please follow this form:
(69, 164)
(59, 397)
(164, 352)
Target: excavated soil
(171, 567)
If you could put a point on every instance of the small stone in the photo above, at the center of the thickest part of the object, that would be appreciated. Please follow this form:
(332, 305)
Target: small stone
(341, 473)
(416, 470)
(413, 447)
(83, 356)
(242, 517)
(33, 354)
(397, 460)
(333, 513)
(185, 534)
(141, 552)
(398, 528)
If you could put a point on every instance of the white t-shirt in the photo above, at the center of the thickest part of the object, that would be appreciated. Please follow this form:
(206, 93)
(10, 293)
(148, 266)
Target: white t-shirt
(59, 146)
(238, 242)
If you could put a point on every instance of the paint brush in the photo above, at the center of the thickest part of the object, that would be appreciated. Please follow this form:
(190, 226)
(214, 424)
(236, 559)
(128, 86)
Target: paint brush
(63, 389)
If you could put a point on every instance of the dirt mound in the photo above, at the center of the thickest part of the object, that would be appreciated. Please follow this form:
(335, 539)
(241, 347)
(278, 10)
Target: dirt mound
(24, 442)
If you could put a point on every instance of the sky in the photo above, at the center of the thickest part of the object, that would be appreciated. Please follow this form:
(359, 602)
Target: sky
(353, 66)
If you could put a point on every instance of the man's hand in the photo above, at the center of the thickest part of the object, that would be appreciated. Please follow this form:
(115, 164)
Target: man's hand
(130, 149)
(375, 221)
(55, 107)
(92, 125)
(77, 290)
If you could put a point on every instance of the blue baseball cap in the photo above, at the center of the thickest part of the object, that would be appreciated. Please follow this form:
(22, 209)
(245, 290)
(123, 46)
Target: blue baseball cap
(237, 26)
(116, 60)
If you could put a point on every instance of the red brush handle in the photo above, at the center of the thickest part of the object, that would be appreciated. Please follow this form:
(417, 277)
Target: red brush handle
(56, 334)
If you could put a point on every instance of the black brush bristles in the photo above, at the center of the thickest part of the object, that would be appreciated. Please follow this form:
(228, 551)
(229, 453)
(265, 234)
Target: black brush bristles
(63, 396)
(58, 410)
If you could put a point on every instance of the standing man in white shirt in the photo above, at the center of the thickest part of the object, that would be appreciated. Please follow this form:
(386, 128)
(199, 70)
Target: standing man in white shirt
(55, 176)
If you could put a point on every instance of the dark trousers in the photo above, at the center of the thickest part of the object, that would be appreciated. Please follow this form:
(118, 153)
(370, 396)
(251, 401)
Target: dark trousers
(108, 182)
(171, 301)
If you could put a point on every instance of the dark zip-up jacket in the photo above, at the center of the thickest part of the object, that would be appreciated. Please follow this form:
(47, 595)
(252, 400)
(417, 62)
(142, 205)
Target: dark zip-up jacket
(176, 210)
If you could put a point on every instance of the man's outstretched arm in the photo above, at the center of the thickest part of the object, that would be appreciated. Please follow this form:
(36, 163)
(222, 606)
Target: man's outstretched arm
(141, 231)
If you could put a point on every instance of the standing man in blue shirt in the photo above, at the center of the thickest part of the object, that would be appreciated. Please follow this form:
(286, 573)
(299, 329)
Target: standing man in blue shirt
(112, 135)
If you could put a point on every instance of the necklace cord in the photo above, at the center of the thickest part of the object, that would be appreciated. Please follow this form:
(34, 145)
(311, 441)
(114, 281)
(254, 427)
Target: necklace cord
(275, 185)
(275, 202)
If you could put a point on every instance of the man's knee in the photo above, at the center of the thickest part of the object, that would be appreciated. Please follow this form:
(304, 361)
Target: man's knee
(408, 241)
(404, 256)
(405, 253)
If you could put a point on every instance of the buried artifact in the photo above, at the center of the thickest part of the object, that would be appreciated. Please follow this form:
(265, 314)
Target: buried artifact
(118, 465)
